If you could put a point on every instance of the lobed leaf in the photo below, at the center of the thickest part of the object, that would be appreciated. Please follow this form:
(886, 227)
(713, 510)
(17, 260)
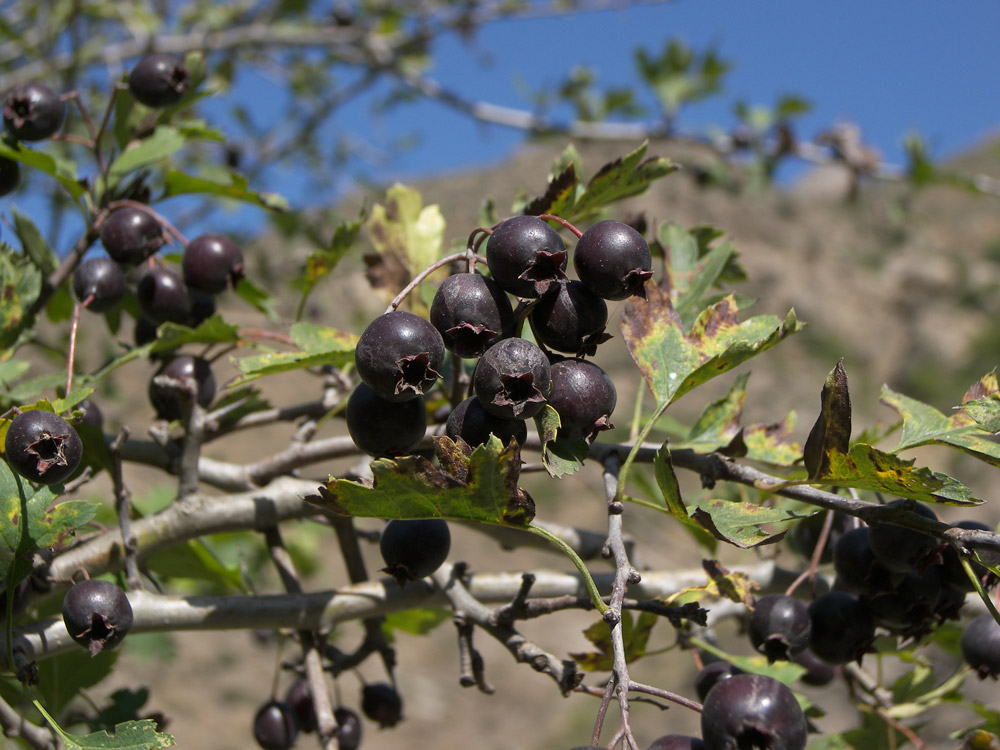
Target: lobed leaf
(666, 479)
(320, 346)
(741, 523)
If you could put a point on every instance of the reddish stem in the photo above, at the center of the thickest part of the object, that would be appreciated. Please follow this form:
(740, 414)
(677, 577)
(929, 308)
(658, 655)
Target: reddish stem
(398, 299)
(73, 326)
(561, 220)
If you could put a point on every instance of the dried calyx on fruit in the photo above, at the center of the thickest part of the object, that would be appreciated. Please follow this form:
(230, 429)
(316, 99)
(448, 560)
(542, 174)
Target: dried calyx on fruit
(97, 614)
(526, 256)
(42, 447)
(33, 112)
(471, 312)
(513, 379)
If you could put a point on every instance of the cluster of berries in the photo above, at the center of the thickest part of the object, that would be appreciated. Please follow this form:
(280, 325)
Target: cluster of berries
(400, 356)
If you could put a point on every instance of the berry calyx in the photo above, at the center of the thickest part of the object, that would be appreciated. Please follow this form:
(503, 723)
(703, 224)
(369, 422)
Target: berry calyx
(178, 380)
(584, 396)
(526, 256)
(613, 260)
(473, 424)
(571, 319)
(513, 379)
(159, 80)
(752, 711)
(399, 355)
(413, 549)
(212, 263)
(382, 704)
(100, 280)
(130, 235)
(33, 112)
(97, 614)
(10, 175)
(384, 428)
(471, 312)
(274, 726)
(163, 296)
(42, 447)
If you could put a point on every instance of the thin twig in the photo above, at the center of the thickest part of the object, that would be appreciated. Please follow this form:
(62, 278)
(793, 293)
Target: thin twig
(123, 508)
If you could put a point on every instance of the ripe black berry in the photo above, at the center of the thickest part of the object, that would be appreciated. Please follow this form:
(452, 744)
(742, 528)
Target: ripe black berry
(33, 112)
(526, 256)
(299, 699)
(102, 280)
(470, 312)
(348, 728)
(189, 373)
(92, 413)
(677, 742)
(163, 296)
(158, 80)
(843, 627)
(712, 673)
(803, 535)
(384, 428)
(901, 549)
(274, 726)
(570, 319)
(981, 645)
(856, 566)
(130, 235)
(399, 355)
(818, 672)
(382, 704)
(779, 626)
(97, 614)
(212, 263)
(414, 549)
(10, 175)
(908, 609)
(613, 260)
(952, 570)
(752, 711)
(584, 396)
(471, 422)
(513, 379)
(42, 447)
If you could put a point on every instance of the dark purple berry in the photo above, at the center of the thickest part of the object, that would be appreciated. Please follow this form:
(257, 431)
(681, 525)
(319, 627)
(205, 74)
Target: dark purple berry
(856, 566)
(843, 627)
(102, 281)
(97, 614)
(190, 375)
(130, 235)
(779, 626)
(413, 549)
(471, 422)
(584, 396)
(212, 263)
(751, 711)
(908, 609)
(384, 428)
(399, 355)
(513, 379)
(902, 549)
(163, 296)
(158, 80)
(144, 332)
(274, 726)
(952, 571)
(803, 536)
(348, 728)
(981, 645)
(92, 413)
(677, 742)
(299, 699)
(526, 256)
(570, 319)
(471, 312)
(613, 260)
(203, 307)
(712, 673)
(42, 447)
(10, 175)
(818, 672)
(382, 704)
(33, 112)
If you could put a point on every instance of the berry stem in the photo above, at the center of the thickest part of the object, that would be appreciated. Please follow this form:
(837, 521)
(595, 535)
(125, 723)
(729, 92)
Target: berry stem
(398, 299)
(123, 501)
(814, 561)
(73, 327)
(560, 220)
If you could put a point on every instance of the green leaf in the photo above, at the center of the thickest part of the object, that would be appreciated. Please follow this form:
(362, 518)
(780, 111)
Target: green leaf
(673, 361)
(194, 560)
(214, 330)
(666, 479)
(20, 285)
(33, 244)
(559, 196)
(163, 142)
(418, 621)
(481, 487)
(625, 177)
(130, 735)
(254, 295)
(692, 267)
(773, 443)
(635, 635)
(179, 183)
(321, 263)
(832, 430)
(63, 171)
(61, 678)
(740, 523)
(718, 428)
(12, 370)
(320, 346)
(560, 457)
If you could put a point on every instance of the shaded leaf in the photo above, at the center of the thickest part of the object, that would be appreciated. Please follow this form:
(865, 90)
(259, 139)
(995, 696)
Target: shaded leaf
(666, 479)
(635, 635)
(560, 457)
(417, 621)
(740, 523)
(61, 678)
(33, 244)
(178, 183)
(259, 298)
(832, 429)
(718, 427)
(20, 285)
(722, 583)
(196, 561)
(63, 171)
(321, 346)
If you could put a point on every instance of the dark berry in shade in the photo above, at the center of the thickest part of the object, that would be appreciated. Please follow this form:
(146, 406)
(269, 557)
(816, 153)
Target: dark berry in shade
(526, 256)
(102, 281)
(299, 699)
(857, 569)
(570, 318)
(384, 428)
(144, 331)
(471, 422)
(131, 235)
(212, 263)
(413, 549)
(163, 296)
(92, 413)
(712, 673)
(10, 176)
(159, 80)
(677, 742)
(908, 609)
(382, 704)
(42, 447)
(902, 549)
(584, 396)
(818, 672)
(471, 312)
(843, 627)
(513, 379)
(399, 355)
(190, 372)
(348, 731)
(953, 573)
(803, 536)
(33, 112)
(203, 307)
(980, 645)
(274, 726)
(613, 260)
(97, 614)
(751, 711)
(779, 626)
